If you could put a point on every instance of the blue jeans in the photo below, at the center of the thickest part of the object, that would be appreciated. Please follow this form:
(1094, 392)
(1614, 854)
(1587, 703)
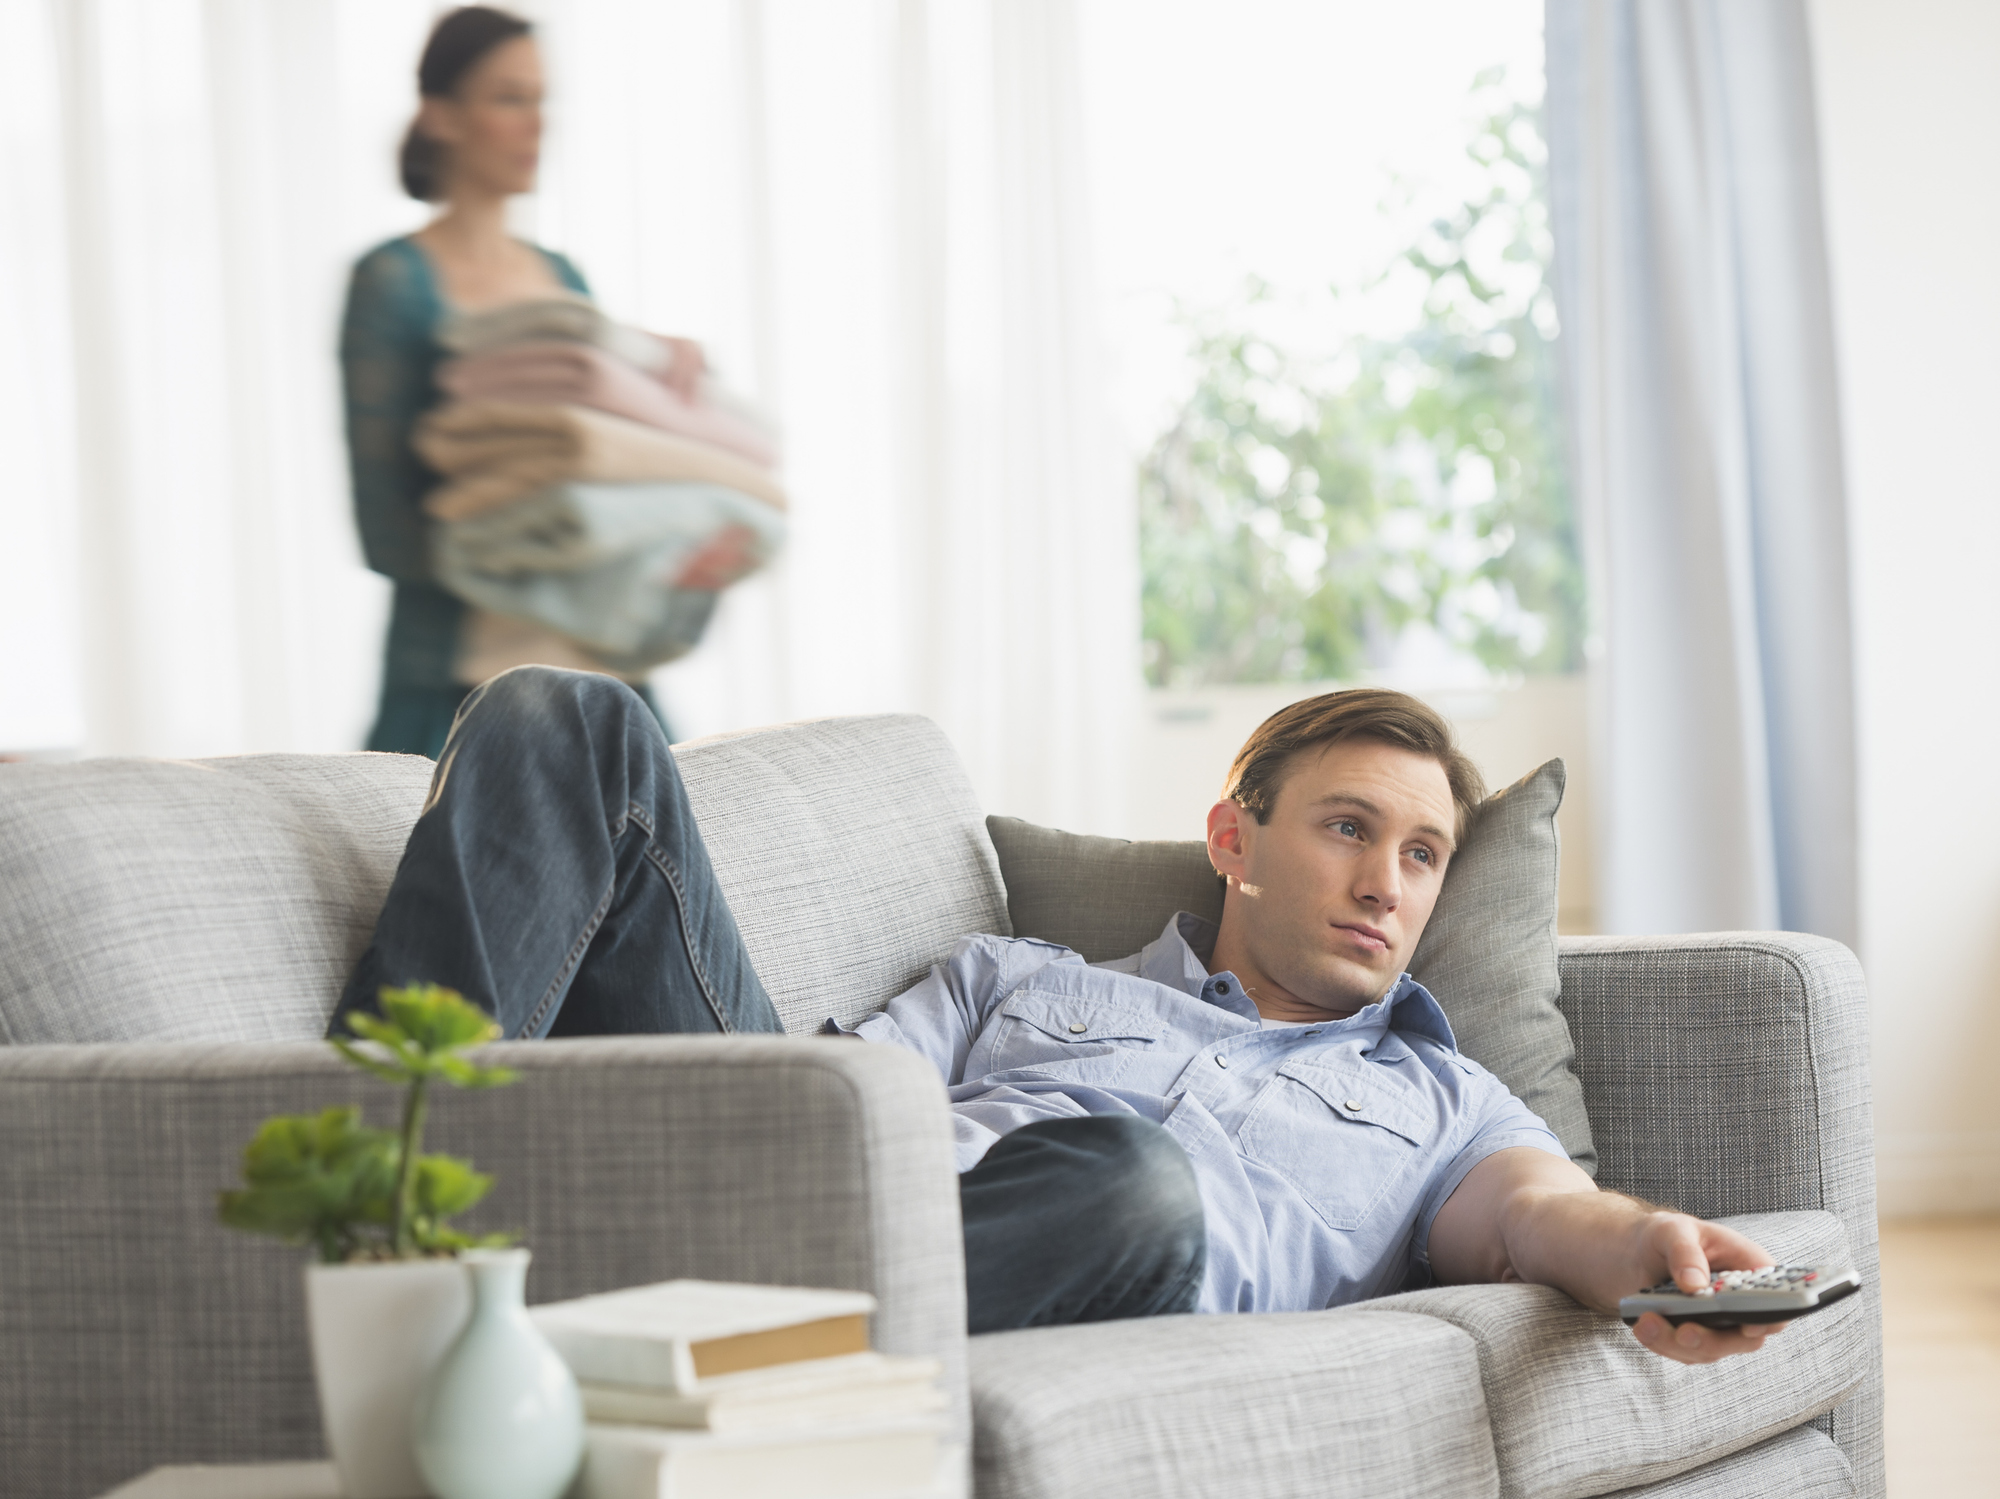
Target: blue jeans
(558, 880)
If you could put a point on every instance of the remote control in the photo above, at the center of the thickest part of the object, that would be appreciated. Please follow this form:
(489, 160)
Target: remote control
(1735, 1298)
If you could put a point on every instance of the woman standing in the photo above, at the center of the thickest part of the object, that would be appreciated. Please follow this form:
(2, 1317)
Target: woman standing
(476, 142)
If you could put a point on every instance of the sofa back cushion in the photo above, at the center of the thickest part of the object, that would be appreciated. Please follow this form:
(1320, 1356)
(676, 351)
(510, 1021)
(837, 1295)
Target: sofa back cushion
(227, 900)
(193, 900)
(1488, 953)
(853, 854)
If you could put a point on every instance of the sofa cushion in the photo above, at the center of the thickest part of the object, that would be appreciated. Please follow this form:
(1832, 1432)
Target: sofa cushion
(1579, 1406)
(227, 900)
(193, 900)
(1801, 1464)
(1488, 954)
(1313, 1405)
(852, 852)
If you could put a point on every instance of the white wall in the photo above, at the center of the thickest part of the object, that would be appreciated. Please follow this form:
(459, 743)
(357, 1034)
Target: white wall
(1910, 127)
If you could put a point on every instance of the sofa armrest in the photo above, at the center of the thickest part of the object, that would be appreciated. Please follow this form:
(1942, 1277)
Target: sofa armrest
(1727, 1073)
(138, 1331)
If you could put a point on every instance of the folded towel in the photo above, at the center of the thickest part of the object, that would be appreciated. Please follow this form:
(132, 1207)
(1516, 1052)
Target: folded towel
(551, 372)
(496, 453)
(561, 315)
(629, 572)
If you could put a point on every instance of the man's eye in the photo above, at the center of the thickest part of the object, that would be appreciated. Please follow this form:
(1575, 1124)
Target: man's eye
(1347, 828)
(1424, 855)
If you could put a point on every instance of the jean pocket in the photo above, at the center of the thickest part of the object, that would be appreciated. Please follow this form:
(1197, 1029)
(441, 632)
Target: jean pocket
(1341, 1134)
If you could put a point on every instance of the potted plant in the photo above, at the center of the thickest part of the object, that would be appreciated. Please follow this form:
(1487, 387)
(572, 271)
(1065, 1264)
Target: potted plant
(387, 1295)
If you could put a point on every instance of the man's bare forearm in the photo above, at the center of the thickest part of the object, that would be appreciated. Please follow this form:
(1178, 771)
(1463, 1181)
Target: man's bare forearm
(1527, 1215)
(1591, 1243)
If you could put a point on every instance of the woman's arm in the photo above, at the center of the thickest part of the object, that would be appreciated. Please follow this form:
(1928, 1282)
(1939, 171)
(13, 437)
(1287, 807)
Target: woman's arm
(385, 363)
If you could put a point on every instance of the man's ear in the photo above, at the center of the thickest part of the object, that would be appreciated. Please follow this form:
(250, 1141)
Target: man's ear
(1229, 834)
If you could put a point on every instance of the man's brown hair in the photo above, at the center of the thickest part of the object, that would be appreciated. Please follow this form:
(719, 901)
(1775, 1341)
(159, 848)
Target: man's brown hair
(1259, 768)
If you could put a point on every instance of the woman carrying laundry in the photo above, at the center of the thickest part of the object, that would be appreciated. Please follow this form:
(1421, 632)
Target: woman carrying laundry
(475, 143)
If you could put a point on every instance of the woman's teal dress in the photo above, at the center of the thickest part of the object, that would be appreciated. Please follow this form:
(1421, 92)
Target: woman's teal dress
(389, 355)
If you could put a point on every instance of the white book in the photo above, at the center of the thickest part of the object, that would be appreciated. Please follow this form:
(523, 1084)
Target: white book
(861, 1462)
(672, 1335)
(860, 1387)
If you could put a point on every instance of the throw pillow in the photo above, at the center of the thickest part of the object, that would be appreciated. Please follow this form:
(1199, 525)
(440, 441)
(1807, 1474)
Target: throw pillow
(1488, 954)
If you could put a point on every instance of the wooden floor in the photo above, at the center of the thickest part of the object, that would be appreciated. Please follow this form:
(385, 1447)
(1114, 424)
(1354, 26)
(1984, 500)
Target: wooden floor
(1941, 1330)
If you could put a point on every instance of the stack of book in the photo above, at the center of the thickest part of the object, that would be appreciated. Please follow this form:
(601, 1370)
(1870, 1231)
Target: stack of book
(696, 1388)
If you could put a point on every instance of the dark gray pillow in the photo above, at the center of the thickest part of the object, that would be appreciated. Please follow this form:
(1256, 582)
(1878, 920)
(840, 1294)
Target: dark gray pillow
(1489, 953)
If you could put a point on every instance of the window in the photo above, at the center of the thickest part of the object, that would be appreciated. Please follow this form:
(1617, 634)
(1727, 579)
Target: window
(1325, 250)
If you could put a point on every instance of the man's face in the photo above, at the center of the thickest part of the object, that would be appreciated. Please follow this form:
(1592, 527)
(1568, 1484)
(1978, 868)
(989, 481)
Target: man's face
(1327, 900)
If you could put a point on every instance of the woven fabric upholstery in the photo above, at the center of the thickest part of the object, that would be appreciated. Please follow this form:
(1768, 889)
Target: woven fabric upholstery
(139, 1332)
(1317, 1405)
(1728, 1073)
(203, 900)
(852, 852)
(227, 900)
(1579, 1406)
(1488, 953)
(1801, 1464)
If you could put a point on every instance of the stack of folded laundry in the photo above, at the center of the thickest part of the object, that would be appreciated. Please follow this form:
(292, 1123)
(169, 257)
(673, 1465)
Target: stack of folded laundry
(583, 493)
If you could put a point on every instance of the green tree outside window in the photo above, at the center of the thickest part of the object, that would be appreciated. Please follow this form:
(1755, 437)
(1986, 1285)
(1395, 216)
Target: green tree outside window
(1301, 514)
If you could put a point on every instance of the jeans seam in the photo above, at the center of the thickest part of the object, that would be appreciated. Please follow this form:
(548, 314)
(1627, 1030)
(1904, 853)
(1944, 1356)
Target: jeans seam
(568, 969)
(670, 872)
(577, 949)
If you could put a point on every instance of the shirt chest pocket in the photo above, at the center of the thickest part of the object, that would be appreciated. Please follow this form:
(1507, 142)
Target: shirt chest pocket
(1342, 1133)
(1043, 1031)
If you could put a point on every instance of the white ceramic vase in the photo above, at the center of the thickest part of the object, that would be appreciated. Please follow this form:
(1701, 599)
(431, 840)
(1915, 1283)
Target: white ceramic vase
(501, 1417)
(378, 1332)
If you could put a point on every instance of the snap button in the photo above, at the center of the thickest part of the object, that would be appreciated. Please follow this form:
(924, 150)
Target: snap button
(1222, 987)
(1077, 1027)
(1221, 1060)
(1354, 1105)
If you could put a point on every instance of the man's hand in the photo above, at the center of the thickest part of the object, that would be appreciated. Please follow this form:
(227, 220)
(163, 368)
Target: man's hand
(1688, 1249)
(1526, 1215)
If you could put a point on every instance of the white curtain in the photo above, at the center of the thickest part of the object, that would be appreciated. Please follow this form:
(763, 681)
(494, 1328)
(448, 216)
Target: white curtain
(1692, 282)
(871, 212)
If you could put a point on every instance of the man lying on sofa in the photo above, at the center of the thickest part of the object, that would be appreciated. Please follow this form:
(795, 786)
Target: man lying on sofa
(1126, 1142)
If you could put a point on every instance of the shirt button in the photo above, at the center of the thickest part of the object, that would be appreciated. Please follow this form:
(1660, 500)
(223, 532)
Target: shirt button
(1077, 1027)
(1353, 1105)
(1221, 1060)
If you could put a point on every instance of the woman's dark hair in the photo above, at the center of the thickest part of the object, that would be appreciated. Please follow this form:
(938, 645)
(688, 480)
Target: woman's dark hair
(458, 41)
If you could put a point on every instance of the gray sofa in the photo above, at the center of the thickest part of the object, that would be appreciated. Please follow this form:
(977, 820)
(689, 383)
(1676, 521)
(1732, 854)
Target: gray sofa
(172, 936)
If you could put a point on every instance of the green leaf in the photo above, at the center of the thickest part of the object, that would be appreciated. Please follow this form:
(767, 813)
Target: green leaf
(446, 1185)
(312, 1178)
(389, 1072)
(437, 1019)
(464, 1074)
(331, 1181)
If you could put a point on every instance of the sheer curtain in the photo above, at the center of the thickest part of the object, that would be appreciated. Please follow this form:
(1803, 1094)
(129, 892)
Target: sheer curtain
(872, 213)
(1697, 326)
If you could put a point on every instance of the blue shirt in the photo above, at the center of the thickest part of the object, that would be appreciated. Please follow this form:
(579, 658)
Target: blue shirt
(1323, 1150)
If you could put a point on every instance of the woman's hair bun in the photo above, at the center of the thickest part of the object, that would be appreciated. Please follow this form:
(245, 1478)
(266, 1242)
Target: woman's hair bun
(459, 40)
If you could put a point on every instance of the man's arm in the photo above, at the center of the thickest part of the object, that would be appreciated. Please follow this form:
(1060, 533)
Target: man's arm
(1523, 1214)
